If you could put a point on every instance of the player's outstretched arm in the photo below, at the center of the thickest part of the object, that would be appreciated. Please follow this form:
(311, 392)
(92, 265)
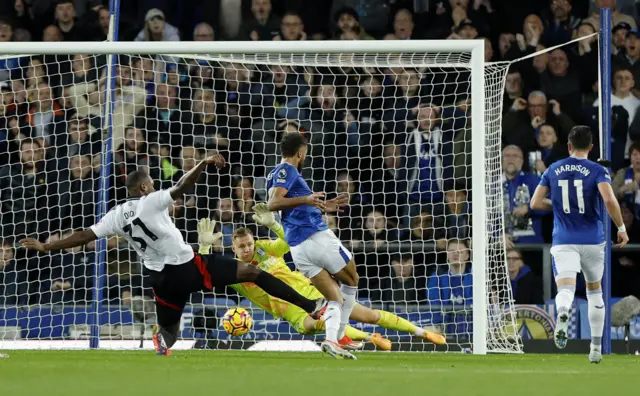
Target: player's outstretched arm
(190, 178)
(79, 238)
(539, 201)
(611, 203)
(278, 201)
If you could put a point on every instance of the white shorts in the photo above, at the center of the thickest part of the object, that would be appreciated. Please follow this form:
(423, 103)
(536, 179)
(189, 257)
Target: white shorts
(568, 260)
(322, 250)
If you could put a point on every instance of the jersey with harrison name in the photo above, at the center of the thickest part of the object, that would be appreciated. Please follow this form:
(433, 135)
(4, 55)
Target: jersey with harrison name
(300, 222)
(577, 204)
(145, 223)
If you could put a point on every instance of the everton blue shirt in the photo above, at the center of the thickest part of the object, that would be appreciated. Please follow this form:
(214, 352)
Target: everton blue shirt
(577, 204)
(301, 222)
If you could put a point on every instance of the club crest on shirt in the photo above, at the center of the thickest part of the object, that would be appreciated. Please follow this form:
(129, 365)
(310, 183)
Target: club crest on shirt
(260, 252)
(282, 175)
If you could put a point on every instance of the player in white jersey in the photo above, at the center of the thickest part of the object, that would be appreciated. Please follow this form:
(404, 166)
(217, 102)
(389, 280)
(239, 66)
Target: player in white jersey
(577, 187)
(176, 271)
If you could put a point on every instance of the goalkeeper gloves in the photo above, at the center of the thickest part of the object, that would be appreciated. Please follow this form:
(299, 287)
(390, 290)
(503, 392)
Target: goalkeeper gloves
(263, 216)
(206, 237)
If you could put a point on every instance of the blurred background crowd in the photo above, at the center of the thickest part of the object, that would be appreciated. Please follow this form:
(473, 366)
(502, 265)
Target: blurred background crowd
(397, 139)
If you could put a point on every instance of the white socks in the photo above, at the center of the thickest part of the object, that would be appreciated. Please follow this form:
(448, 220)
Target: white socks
(564, 299)
(596, 317)
(349, 296)
(332, 317)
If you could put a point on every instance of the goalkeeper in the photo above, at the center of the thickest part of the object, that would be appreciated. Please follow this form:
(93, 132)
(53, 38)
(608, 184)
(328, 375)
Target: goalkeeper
(268, 255)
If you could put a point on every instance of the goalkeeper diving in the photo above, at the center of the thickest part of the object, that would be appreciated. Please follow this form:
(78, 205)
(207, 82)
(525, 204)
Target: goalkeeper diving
(268, 256)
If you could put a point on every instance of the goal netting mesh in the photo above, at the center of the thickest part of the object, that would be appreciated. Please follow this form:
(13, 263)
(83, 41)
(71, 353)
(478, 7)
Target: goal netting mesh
(393, 131)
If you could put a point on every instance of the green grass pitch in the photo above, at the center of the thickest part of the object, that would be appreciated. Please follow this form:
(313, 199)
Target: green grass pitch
(235, 373)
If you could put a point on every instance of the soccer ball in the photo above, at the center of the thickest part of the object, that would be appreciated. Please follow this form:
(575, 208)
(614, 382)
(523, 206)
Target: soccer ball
(237, 321)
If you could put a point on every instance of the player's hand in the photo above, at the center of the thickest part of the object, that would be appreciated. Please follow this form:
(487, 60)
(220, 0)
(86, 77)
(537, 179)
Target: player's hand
(206, 236)
(336, 204)
(32, 244)
(521, 210)
(623, 238)
(263, 216)
(316, 200)
(217, 160)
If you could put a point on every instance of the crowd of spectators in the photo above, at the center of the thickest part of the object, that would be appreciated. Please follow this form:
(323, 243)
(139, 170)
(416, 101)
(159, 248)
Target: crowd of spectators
(397, 139)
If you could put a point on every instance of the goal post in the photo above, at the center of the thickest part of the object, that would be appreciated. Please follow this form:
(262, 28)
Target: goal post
(453, 69)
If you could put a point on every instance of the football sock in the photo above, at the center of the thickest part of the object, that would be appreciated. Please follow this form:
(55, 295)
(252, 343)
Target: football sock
(564, 299)
(332, 320)
(355, 334)
(277, 288)
(170, 334)
(596, 317)
(394, 322)
(349, 296)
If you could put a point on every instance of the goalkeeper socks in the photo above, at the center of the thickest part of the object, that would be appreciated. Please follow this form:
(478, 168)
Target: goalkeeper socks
(349, 296)
(332, 320)
(277, 288)
(596, 317)
(355, 334)
(564, 299)
(394, 322)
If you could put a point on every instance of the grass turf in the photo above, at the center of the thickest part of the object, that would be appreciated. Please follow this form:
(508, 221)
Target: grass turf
(191, 373)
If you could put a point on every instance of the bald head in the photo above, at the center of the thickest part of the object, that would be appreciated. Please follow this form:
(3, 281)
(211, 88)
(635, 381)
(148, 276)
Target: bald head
(203, 32)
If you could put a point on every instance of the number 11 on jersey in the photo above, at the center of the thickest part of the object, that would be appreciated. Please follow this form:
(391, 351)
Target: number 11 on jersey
(564, 185)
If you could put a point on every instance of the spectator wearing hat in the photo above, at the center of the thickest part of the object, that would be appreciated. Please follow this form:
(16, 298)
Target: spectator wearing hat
(559, 24)
(629, 56)
(349, 27)
(263, 24)
(466, 30)
(619, 32)
(156, 29)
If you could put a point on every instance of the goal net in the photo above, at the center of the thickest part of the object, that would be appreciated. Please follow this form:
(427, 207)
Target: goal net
(393, 130)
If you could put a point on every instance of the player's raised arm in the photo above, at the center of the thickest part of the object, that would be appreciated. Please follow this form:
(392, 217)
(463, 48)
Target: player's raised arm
(613, 208)
(539, 201)
(79, 238)
(190, 178)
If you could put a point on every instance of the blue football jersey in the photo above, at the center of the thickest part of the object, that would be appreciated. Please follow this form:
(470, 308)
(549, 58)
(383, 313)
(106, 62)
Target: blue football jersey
(301, 222)
(577, 204)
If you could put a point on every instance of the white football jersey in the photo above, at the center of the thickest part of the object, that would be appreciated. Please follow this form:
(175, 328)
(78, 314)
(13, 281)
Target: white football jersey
(145, 223)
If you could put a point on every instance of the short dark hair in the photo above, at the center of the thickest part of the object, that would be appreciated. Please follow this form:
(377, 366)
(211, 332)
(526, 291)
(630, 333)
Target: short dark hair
(135, 178)
(634, 147)
(35, 142)
(291, 143)
(581, 137)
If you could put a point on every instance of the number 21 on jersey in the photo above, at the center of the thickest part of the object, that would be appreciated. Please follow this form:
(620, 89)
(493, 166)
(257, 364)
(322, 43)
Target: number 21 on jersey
(564, 186)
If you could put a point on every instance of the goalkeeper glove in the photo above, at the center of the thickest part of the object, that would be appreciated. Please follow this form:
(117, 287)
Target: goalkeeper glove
(265, 217)
(206, 237)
